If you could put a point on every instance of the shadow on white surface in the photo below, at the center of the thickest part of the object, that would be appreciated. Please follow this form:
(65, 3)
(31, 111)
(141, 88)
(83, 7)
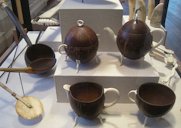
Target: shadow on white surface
(95, 62)
(42, 85)
(136, 64)
(84, 122)
(30, 122)
(98, 122)
(159, 122)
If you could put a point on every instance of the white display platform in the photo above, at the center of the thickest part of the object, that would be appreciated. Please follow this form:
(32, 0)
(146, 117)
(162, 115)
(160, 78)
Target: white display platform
(60, 115)
(107, 71)
(97, 14)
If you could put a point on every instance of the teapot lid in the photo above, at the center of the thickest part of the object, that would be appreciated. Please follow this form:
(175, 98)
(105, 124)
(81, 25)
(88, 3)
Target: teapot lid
(81, 36)
(135, 27)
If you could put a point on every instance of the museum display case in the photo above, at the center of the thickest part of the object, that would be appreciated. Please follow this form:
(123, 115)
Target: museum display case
(109, 90)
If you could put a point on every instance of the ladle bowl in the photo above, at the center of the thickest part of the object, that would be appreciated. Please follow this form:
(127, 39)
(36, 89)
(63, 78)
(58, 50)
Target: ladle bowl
(42, 65)
(38, 51)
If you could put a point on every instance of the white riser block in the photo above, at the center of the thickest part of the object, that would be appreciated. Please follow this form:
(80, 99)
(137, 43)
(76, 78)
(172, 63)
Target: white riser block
(108, 73)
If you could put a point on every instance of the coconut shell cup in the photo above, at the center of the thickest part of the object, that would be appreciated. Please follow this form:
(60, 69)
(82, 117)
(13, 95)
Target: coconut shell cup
(87, 106)
(87, 99)
(153, 99)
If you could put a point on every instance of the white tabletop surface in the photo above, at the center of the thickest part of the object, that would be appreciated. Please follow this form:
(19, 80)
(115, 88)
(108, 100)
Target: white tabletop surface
(60, 115)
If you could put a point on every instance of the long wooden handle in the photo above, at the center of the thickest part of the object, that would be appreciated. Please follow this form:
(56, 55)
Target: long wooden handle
(140, 4)
(27, 69)
(131, 4)
(156, 17)
(151, 6)
(51, 12)
(15, 95)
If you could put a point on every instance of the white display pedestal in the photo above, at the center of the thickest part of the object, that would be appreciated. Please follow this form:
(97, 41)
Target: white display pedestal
(96, 14)
(108, 72)
(100, 14)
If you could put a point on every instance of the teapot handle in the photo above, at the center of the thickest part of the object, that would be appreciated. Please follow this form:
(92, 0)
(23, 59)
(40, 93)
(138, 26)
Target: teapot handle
(162, 39)
(60, 48)
(115, 100)
(111, 33)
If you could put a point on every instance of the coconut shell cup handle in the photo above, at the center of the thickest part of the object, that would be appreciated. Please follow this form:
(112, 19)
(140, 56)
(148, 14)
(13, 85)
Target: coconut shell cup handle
(130, 97)
(60, 48)
(163, 36)
(106, 90)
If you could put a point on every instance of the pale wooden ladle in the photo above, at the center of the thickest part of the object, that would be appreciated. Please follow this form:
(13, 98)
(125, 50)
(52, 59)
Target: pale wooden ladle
(37, 66)
(27, 107)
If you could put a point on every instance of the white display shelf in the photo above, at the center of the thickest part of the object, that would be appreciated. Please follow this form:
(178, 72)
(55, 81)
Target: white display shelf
(105, 69)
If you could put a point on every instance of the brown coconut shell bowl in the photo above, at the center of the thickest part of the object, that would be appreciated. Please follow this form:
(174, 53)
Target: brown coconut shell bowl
(153, 99)
(40, 53)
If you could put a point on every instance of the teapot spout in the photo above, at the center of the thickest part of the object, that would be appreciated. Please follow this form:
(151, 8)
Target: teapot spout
(66, 87)
(111, 33)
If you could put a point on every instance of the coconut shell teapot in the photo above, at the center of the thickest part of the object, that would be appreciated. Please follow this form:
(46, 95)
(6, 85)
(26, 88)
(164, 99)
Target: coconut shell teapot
(81, 43)
(135, 39)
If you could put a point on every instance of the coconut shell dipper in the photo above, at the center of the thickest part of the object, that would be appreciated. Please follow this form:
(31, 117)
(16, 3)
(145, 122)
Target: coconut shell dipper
(29, 113)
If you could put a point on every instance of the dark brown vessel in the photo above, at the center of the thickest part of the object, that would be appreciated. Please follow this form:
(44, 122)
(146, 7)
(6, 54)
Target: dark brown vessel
(81, 43)
(134, 39)
(87, 99)
(42, 53)
(154, 99)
